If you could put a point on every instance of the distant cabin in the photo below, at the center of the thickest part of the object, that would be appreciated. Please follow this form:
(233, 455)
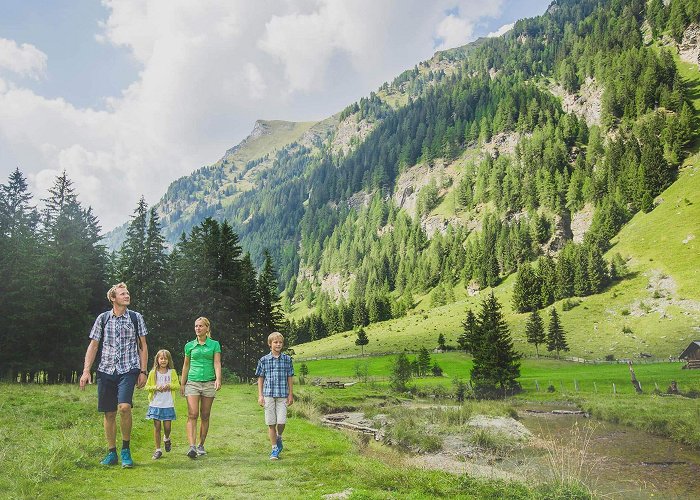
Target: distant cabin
(692, 355)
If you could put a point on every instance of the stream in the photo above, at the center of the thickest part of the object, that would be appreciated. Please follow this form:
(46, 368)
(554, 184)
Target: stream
(618, 461)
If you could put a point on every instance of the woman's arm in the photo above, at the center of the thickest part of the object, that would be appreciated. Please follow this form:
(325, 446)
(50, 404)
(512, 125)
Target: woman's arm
(185, 370)
(217, 370)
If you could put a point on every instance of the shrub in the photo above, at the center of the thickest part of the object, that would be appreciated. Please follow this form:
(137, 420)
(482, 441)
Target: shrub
(551, 388)
(569, 304)
(609, 357)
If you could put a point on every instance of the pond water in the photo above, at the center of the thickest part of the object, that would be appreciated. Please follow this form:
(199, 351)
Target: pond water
(614, 461)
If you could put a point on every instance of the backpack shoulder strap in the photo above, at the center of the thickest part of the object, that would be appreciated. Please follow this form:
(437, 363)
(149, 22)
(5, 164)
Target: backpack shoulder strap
(134, 321)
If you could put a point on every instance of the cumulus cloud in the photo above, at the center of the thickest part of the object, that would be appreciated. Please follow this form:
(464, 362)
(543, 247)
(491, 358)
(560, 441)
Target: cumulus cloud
(208, 70)
(501, 31)
(25, 60)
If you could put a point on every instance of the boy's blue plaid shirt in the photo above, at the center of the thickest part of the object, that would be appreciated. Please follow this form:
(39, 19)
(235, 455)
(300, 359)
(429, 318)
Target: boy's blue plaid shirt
(275, 372)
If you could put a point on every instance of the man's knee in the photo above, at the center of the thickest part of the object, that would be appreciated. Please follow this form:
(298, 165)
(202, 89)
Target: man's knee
(124, 409)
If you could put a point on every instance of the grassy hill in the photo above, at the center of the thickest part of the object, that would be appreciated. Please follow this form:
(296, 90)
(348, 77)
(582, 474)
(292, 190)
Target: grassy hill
(655, 310)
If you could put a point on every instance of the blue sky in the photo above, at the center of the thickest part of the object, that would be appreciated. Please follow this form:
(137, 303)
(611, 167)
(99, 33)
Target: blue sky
(128, 95)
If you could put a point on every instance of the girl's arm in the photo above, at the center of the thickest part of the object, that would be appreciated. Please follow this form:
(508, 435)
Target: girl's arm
(174, 381)
(151, 382)
(185, 371)
(217, 370)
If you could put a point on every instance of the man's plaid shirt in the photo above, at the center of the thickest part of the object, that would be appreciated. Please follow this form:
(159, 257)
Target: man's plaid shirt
(119, 351)
(275, 372)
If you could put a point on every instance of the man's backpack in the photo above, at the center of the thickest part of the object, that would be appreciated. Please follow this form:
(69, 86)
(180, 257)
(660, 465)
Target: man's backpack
(104, 318)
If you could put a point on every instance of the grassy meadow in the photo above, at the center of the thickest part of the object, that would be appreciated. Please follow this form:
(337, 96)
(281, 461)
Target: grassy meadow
(587, 386)
(54, 440)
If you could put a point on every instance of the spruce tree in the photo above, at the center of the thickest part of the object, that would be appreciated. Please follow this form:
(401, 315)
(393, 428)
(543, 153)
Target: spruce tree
(556, 337)
(423, 361)
(534, 331)
(362, 340)
(400, 373)
(469, 337)
(496, 363)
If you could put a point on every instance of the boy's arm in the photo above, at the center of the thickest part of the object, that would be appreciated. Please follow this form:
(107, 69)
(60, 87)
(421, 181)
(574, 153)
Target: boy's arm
(261, 398)
(290, 396)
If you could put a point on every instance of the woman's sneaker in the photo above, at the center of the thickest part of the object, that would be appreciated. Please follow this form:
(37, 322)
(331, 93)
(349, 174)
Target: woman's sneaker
(275, 453)
(201, 450)
(192, 453)
(168, 445)
(157, 454)
(110, 459)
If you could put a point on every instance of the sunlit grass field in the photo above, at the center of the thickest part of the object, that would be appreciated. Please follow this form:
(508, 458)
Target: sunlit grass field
(53, 440)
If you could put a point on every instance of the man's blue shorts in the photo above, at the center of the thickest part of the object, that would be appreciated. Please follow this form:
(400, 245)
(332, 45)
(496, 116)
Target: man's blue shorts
(113, 389)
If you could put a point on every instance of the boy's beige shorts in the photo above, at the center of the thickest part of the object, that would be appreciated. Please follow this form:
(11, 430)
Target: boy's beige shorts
(275, 410)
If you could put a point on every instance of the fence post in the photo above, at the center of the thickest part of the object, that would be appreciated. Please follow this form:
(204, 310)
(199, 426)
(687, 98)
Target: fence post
(595, 387)
(657, 386)
(576, 385)
(537, 384)
(614, 389)
(561, 384)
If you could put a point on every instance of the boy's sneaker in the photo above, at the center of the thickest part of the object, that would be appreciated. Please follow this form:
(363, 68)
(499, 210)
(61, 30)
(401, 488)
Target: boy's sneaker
(110, 459)
(275, 453)
(168, 445)
(157, 454)
(192, 453)
(279, 443)
(201, 450)
(127, 462)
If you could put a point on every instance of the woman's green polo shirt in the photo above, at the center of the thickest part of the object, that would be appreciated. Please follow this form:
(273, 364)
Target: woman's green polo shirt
(202, 359)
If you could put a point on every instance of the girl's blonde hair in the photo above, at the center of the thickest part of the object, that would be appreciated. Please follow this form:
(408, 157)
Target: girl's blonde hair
(207, 324)
(171, 365)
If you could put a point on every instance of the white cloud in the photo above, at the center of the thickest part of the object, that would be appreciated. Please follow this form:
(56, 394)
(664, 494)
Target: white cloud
(501, 31)
(209, 69)
(25, 60)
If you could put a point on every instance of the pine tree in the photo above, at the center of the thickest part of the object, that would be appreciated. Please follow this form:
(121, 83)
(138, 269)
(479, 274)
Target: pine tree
(527, 289)
(496, 364)
(469, 337)
(400, 373)
(556, 337)
(362, 340)
(423, 361)
(534, 330)
(441, 342)
(19, 277)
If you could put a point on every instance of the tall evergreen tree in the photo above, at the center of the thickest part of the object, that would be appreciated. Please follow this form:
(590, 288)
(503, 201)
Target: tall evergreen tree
(470, 333)
(534, 331)
(362, 340)
(496, 363)
(556, 337)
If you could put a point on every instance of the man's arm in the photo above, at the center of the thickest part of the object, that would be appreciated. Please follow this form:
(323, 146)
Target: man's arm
(143, 359)
(89, 360)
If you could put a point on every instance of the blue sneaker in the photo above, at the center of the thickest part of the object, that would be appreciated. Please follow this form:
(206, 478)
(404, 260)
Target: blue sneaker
(110, 459)
(275, 453)
(127, 462)
(279, 444)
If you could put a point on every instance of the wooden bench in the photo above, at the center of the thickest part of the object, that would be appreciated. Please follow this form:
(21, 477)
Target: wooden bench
(333, 384)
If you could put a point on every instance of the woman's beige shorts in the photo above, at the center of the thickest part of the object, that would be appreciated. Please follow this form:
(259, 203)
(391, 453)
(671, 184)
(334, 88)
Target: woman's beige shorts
(205, 389)
(275, 410)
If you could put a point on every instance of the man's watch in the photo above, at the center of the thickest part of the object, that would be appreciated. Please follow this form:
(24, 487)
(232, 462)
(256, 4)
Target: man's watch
(144, 372)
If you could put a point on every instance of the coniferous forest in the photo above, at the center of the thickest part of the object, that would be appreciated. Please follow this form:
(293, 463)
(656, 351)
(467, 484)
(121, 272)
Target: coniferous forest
(55, 274)
(243, 261)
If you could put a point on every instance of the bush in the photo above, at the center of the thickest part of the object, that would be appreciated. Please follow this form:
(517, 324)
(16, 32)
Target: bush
(609, 357)
(569, 304)
(550, 388)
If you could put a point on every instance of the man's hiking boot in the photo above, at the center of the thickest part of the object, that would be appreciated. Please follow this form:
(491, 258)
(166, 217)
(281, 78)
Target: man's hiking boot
(168, 445)
(127, 462)
(110, 459)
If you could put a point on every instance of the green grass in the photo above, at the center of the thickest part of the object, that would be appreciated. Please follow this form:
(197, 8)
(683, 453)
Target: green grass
(53, 441)
(588, 386)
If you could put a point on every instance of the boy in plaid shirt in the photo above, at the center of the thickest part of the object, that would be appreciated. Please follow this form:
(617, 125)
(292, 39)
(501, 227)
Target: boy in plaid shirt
(275, 372)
